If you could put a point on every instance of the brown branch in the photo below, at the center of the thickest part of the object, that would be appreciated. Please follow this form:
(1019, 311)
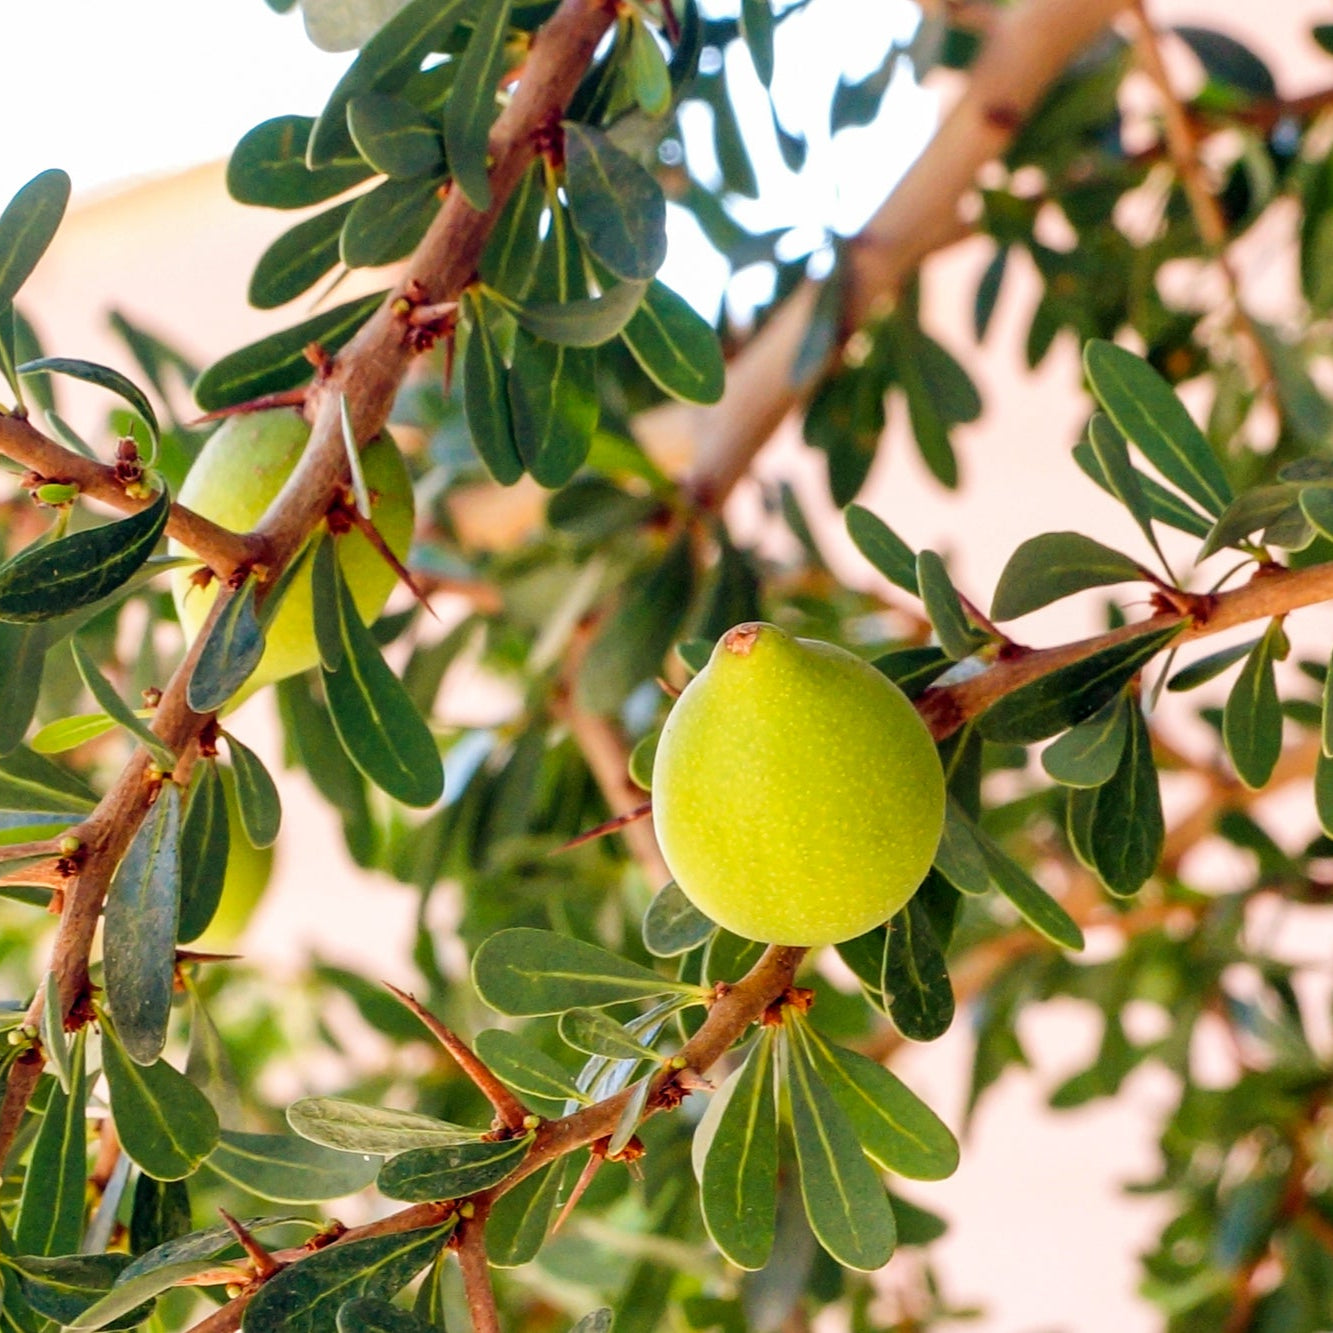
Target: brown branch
(1028, 46)
(224, 551)
(368, 371)
(476, 1271)
(1182, 143)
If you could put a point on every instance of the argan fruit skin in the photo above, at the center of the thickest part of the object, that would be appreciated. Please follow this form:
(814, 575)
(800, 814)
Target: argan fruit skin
(238, 472)
(798, 797)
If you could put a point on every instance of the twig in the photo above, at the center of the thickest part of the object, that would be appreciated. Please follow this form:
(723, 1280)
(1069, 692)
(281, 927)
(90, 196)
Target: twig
(261, 1260)
(476, 1271)
(512, 1113)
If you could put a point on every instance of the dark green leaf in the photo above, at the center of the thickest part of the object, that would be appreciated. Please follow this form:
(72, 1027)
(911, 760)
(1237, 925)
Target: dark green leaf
(486, 398)
(959, 857)
(55, 1186)
(1112, 454)
(395, 137)
(102, 376)
(617, 208)
(916, 978)
(166, 1125)
(377, 1130)
(673, 925)
(1207, 668)
(27, 227)
(647, 69)
(585, 322)
(845, 1202)
(305, 1297)
(913, 670)
(525, 1067)
(1034, 904)
(324, 595)
(450, 1172)
(378, 725)
(63, 1287)
(1326, 714)
(55, 1044)
(230, 652)
(988, 291)
(159, 1212)
(1046, 568)
(510, 256)
(1146, 411)
(527, 972)
(738, 1139)
(1069, 694)
(553, 405)
(1248, 512)
(1252, 720)
(1164, 505)
(675, 346)
(268, 167)
(1228, 61)
(519, 1218)
(290, 1170)
(45, 581)
(371, 1314)
(1127, 830)
(298, 258)
(757, 30)
(385, 64)
(957, 635)
(386, 225)
(256, 795)
(204, 846)
(471, 107)
(1088, 754)
(142, 907)
(896, 1129)
(30, 782)
(883, 548)
(596, 1033)
(22, 657)
(117, 709)
(1317, 506)
(278, 361)
(1323, 792)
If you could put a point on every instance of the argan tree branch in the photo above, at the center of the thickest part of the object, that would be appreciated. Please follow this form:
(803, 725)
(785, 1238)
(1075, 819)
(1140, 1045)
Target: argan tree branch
(476, 1271)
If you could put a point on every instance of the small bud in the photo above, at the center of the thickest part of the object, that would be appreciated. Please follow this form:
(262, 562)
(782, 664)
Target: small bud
(531, 1121)
(677, 1062)
(467, 1209)
(69, 844)
(14, 1037)
(56, 493)
(234, 1289)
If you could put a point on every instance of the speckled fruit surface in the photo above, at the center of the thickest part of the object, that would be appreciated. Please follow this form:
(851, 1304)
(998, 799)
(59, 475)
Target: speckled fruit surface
(798, 797)
(239, 470)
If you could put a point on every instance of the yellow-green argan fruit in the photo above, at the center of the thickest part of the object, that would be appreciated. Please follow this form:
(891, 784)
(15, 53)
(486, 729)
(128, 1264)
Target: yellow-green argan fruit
(241, 467)
(797, 795)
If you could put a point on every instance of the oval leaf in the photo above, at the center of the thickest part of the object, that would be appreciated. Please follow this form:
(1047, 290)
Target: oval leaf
(1088, 754)
(377, 1130)
(256, 795)
(371, 1314)
(1034, 904)
(553, 406)
(118, 710)
(883, 548)
(471, 108)
(1252, 719)
(673, 925)
(450, 1172)
(586, 322)
(486, 398)
(956, 633)
(230, 652)
(526, 1068)
(519, 1218)
(596, 1033)
(675, 346)
(1046, 568)
(298, 259)
(268, 167)
(1127, 830)
(618, 209)
(204, 847)
(102, 376)
(287, 1169)
(395, 137)
(915, 977)
(27, 226)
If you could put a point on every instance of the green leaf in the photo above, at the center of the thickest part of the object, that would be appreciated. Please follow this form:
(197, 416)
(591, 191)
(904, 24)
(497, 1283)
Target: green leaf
(1146, 411)
(384, 65)
(1323, 792)
(1087, 755)
(596, 1033)
(47, 580)
(883, 548)
(957, 636)
(1207, 668)
(1252, 719)
(31, 782)
(959, 857)
(378, 1131)
(471, 108)
(298, 259)
(27, 226)
(646, 68)
(324, 593)
(256, 795)
(519, 1218)
(913, 670)
(55, 1044)
(51, 1206)
(305, 1297)
(675, 346)
(118, 710)
(738, 1138)
(486, 398)
(673, 925)
(1068, 695)
(617, 208)
(370, 1314)
(205, 843)
(525, 1067)
(288, 1169)
(102, 376)
(63, 1287)
(22, 658)
(1248, 512)
(757, 30)
(1164, 505)
(1317, 506)
(387, 224)
(231, 651)
(1326, 713)
(376, 721)
(450, 1172)
(896, 1129)
(68, 733)
(527, 972)
(1228, 61)
(553, 406)
(1112, 454)
(585, 322)
(916, 977)
(1127, 831)
(268, 167)
(845, 1202)
(278, 361)
(510, 256)
(395, 137)
(166, 1125)
(142, 908)
(1054, 565)
(1034, 904)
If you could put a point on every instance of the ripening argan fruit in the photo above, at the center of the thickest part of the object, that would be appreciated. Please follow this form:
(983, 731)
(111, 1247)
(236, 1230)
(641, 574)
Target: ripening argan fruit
(797, 795)
(241, 467)
(249, 870)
